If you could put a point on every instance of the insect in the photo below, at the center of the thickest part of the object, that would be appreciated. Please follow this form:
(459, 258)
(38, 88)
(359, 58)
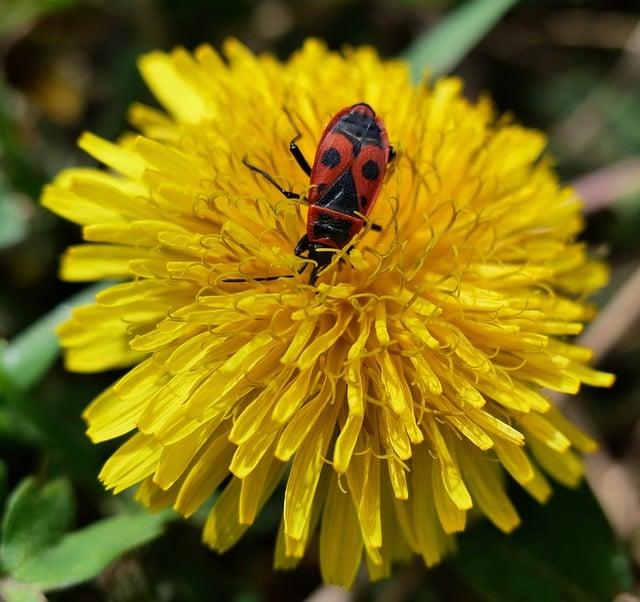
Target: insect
(346, 178)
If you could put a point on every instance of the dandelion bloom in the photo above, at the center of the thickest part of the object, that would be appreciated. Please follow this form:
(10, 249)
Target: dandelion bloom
(393, 395)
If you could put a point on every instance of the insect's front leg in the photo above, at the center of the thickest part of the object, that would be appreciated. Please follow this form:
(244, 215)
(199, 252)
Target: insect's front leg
(295, 149)
(303, 246)
(269, 178)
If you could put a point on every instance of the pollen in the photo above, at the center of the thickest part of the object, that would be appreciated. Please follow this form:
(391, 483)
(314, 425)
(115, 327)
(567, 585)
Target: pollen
(388, 398)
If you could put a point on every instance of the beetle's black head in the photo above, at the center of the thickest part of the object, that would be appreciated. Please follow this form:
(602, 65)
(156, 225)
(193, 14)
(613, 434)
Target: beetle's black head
(359, 125)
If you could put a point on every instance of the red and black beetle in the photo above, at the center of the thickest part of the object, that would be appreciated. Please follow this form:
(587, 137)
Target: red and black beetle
(347, 174)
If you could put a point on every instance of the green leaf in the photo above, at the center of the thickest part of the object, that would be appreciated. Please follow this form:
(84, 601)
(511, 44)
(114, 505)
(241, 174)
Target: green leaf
(442, 47)
(84, 554)
(18, 426)
(35, 518)
(28, 356)
(12, 591)
(564, 551)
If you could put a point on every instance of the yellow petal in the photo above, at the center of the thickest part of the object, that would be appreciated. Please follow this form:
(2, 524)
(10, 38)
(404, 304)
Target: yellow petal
(452, 518)
(223, 527)
(305, 474)
(309, 356)
(515, 460)
(131, 463)
(346, 442)
(110, 416)
(578, 439)
(391, 381)
(294, 395)
(300, 425)
(295, 548)
(254, 487)
(430, 537)
(176, 93)
(175, 458)
(449, 470)
(206, 474)
(363, 477)
(566, 467)
(299, 342)
(488, 493)
(539, 428)
(119, 157)
(339, 531)
(98, 262)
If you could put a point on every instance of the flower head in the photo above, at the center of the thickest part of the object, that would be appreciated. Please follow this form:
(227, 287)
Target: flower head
(393, 394)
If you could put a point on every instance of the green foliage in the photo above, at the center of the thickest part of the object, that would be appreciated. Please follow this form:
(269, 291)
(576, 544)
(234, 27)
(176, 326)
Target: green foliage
(84, 554)
(26, 360)
(564, 551)
(39, 555)
(12, 591)
(35, 518)
(441, 48)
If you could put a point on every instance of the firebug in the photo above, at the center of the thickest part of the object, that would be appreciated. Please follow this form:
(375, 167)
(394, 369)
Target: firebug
(346, 178)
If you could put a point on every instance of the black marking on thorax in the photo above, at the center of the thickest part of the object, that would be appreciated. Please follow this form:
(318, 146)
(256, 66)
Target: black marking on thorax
(360, 130)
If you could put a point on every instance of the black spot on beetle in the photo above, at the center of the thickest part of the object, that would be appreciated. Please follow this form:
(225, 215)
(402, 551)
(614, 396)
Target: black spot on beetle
(370, 170)
(331, 158)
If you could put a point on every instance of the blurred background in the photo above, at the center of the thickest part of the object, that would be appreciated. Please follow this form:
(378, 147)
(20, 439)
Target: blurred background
(570, 68)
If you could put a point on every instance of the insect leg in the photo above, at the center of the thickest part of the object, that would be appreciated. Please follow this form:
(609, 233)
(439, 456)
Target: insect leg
(299, 157)
(269, 178)
(322, 260)
(266, 278)
(314, 274)
(295, 149)
(302, 246)
(259, 279)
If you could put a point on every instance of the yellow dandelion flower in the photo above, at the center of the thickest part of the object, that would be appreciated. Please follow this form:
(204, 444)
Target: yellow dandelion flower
(392, 395)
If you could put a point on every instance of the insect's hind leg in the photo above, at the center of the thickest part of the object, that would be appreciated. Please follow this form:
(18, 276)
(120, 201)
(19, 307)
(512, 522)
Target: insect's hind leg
(295, 149)
(269, 178)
